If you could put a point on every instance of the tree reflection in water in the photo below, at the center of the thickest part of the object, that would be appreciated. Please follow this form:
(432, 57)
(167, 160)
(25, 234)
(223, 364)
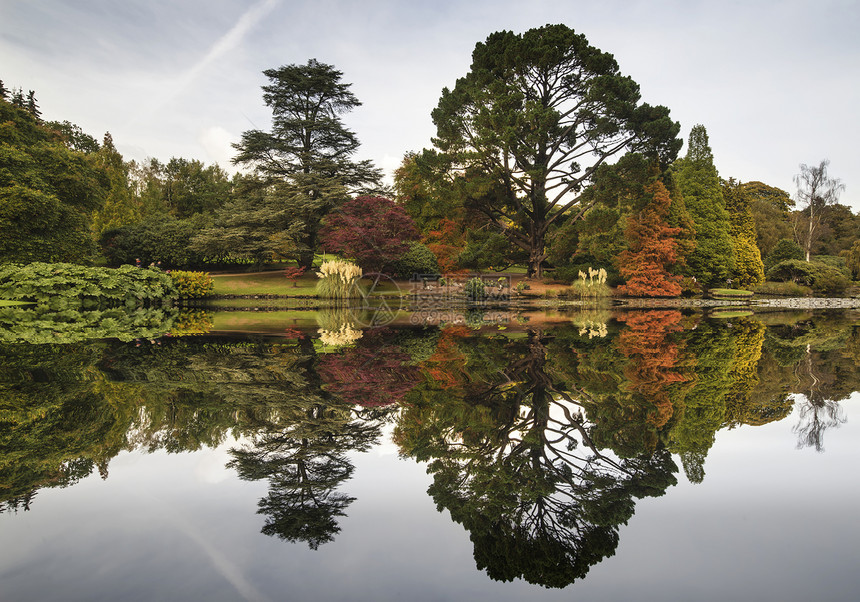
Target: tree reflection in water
(512, 460)
(539, 441)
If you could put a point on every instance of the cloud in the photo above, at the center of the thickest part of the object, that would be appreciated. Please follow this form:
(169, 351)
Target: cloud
(225, 44)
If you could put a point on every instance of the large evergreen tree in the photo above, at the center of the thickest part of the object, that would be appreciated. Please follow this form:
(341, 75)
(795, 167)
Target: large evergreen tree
(309, 147)
(712, 261)
(525, 130)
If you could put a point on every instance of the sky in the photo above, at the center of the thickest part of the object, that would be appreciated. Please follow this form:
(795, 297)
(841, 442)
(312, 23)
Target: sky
(775, 83)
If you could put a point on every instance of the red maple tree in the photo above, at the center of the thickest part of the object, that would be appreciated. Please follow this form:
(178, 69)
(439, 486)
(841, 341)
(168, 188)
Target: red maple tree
(373, 230)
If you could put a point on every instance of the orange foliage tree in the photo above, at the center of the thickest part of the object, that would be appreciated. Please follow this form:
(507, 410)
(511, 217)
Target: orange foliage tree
(653, 249)
(446, 243)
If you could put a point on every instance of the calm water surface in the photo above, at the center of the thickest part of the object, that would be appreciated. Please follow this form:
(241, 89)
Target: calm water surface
(605, 456)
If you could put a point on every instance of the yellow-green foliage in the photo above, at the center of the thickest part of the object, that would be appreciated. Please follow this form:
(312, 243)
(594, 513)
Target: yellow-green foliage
(191, 321)
(192, 285)
(852, 260)
(749, 269)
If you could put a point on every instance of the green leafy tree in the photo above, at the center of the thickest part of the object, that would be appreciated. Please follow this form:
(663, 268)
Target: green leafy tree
(48, 192)
(260, 225)
(309, 147)
(771, 210)
(712, 260)
(784, 249)
(121, 207)
(525, 130)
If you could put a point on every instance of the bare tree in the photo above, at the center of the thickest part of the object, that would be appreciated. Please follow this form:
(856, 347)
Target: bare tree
(815, 191)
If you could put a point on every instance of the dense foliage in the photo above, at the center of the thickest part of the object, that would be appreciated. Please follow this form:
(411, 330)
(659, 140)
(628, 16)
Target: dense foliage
(67, 286)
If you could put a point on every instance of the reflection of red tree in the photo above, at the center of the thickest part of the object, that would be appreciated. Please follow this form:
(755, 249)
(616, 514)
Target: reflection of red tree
(374, 373)
(654, 358)
(445, 366)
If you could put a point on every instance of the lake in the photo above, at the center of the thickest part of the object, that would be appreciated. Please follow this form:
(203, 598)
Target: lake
(595, 454)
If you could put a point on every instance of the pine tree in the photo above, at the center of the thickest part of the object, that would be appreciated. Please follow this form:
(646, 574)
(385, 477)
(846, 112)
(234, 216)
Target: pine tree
(309, 147)
(712, 261)
(33, 106)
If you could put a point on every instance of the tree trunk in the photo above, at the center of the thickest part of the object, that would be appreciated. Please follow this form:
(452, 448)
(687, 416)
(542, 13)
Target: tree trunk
(537, 252)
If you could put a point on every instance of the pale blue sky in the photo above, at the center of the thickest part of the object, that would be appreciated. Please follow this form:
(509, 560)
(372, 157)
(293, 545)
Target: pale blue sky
(774, 82)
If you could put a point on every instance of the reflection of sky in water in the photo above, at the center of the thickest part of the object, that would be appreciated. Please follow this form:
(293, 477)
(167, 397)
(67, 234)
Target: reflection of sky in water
(769, 521)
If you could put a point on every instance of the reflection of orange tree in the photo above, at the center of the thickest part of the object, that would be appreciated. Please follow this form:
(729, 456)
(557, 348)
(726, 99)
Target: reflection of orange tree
(654, 357)
(513, 462)
(634, 388)
(445, 367)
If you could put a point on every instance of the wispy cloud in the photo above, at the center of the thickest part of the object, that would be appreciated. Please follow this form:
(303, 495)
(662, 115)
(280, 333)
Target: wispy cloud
(225, 44)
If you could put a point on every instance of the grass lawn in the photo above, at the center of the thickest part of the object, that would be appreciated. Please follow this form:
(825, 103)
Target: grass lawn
(729, 292)
(263, 283)
(275, 283)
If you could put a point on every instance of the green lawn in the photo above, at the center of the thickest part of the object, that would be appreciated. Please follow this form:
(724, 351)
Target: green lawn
(264, 283)
(729, 292)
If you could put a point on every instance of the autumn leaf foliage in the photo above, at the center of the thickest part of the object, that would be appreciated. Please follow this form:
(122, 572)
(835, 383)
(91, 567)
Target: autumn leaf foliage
(373, 230)
(653, 249)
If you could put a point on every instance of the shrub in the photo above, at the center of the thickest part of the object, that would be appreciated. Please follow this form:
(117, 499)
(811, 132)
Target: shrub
(592, 284)
(833, 261)
(823, 279)
(192, 285)
(584, 288)
(69, 286)
(158, 239)
(474, 289)
(830, 282)
(786, 289)
(793, 270)
(417, 260)
(783, 250)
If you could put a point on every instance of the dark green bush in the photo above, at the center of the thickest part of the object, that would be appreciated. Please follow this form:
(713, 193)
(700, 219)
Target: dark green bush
(830, 282)
(784, 250)
(793, 270)
(824, 279)
(833, 261)
(474, 289)
(417, 260)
